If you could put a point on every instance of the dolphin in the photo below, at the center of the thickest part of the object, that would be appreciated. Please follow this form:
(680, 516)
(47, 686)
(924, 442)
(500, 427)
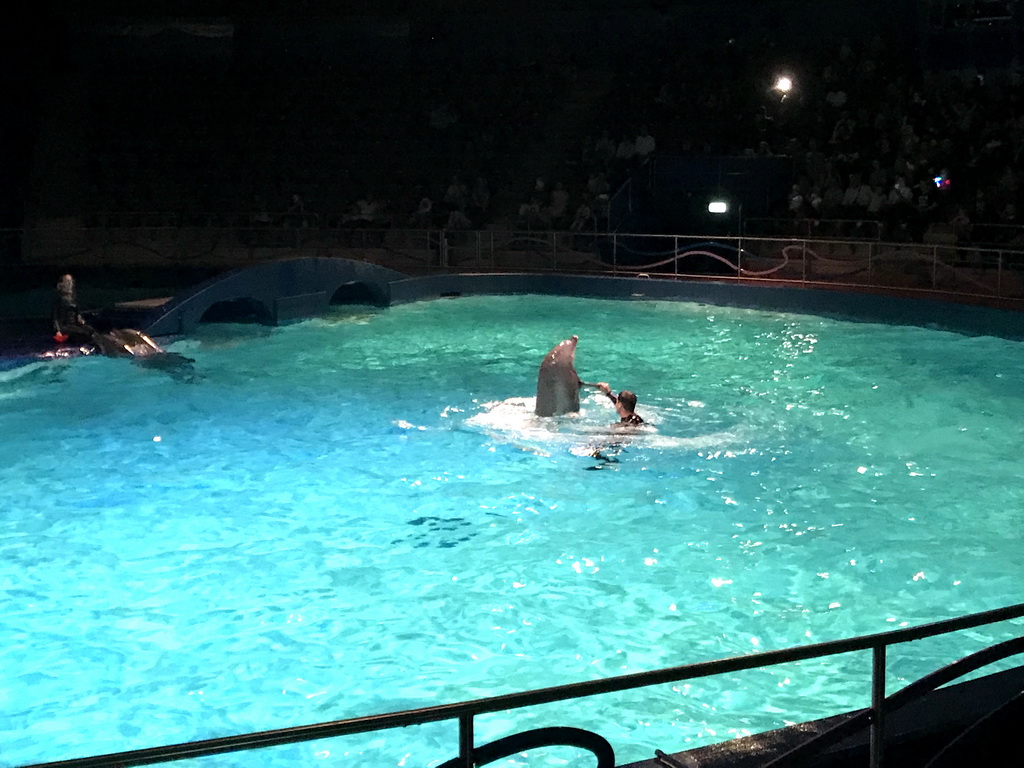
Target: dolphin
(125, 342)
(128, 342)
(558, 386)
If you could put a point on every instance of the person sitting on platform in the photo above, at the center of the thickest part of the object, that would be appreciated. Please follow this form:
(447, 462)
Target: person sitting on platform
(68, 323)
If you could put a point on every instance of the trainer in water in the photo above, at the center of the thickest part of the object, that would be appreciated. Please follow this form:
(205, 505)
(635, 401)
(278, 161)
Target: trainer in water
(625, 404)
(558, 386)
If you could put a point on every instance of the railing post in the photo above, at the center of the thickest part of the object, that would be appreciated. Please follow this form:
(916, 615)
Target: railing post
(554, 250)
(739, 241)
(935, 264)
(877, 736)
(615, 253)
(803, 262)
(675, 255)
(999, 276)
(871, 251)
(466, 740)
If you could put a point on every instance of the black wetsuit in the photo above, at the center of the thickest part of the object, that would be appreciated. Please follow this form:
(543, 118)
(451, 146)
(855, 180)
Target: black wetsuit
(68, 320)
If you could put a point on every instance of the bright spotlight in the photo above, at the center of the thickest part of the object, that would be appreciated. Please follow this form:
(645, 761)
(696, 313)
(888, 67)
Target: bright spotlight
(718, 206)
(783, 84)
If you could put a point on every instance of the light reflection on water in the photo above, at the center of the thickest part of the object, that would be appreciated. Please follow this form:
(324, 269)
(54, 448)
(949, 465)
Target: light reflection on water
(360, 514)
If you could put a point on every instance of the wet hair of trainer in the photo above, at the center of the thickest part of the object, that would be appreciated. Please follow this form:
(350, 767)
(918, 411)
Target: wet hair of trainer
(628, 400)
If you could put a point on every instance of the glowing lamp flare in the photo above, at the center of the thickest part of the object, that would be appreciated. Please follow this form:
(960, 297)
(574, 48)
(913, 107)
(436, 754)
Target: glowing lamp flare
(784, 84)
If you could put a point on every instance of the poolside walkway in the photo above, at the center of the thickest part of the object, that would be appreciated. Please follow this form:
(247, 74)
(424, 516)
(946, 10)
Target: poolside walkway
(915, 734)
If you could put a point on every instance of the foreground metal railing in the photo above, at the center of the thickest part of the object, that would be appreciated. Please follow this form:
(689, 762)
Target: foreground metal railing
(465, 712)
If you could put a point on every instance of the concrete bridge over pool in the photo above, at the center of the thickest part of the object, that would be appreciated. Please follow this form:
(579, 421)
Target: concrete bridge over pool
(274, 292)
(278, 292)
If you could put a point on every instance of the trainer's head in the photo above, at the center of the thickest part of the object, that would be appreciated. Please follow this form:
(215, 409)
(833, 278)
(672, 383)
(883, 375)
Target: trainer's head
(628, 400)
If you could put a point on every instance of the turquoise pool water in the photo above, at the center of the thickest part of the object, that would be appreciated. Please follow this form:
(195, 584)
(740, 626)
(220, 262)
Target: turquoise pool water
(358, 514)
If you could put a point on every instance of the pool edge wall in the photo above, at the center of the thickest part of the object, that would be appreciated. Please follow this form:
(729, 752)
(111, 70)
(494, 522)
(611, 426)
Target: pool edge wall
(868, 307)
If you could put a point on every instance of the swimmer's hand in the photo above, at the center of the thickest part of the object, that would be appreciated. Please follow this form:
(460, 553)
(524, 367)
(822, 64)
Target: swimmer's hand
(603, 386)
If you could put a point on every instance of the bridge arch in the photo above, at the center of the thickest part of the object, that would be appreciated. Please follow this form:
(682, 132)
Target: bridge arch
(275, 292)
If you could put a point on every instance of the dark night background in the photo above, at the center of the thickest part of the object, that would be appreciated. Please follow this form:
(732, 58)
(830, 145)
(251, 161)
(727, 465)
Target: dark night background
(113, 106)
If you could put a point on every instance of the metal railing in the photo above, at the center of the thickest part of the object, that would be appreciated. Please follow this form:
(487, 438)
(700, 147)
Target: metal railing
(983, 235)
(465, 712)
(619, 206)
(995, 275)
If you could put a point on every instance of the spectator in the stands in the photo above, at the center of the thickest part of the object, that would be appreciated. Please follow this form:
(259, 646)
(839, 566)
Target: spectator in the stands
(925, 208)
(961, 223)
(260, 221)
(831, 198)
(901, 195)
(864, 195)
(625, 152)
(456, 196)
(815, 162)
(878, 177)
(876, 203)
(479, 200)
(644, 144)
(423, 216)
(559, 206)
(598, 184)
(814, 203)
(982, 213)
(584, 217)
(368, 211)
(604, 150)
(458, 219)
(795, 204)
(856, 197)
(297, 212)
(530, 214)
(260, 216)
